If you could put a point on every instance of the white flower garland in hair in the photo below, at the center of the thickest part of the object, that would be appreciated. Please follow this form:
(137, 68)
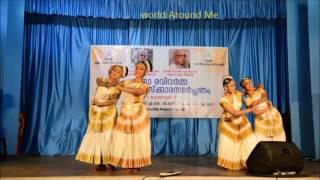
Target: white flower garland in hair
(245, 78)
(125, 71)
(147, 64)
(227, 77)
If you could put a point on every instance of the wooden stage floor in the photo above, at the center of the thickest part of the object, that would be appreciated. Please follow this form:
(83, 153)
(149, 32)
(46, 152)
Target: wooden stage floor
(65, 167)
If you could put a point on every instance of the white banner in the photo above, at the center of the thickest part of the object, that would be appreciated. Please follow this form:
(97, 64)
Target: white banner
(186, 81)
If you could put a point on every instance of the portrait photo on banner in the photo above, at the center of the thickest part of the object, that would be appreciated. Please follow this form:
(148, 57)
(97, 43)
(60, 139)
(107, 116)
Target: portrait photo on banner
(141, 54)
(179, 58)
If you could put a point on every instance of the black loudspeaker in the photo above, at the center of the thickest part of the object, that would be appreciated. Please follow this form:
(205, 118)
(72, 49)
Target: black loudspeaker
(274, 157)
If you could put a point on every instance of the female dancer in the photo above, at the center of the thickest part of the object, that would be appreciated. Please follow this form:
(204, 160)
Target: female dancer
(95, 146)
(236, 138)
(131, 146)
(267, 119)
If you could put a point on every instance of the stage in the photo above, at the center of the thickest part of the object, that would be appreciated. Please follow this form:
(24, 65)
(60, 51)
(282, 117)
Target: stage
(194, 168)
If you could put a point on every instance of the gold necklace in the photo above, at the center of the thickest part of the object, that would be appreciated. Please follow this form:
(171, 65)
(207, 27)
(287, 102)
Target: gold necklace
(137, 80)
(111, 84)
(230, 98)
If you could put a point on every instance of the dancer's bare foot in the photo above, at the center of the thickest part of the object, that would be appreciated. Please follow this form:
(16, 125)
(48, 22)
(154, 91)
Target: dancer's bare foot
(110, 167)
(131, 170)
(101, 167)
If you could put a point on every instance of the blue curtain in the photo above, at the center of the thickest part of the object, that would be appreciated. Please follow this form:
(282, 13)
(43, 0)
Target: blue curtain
(133, 9)
(11, 50)
(304, 87)
(56, 74)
